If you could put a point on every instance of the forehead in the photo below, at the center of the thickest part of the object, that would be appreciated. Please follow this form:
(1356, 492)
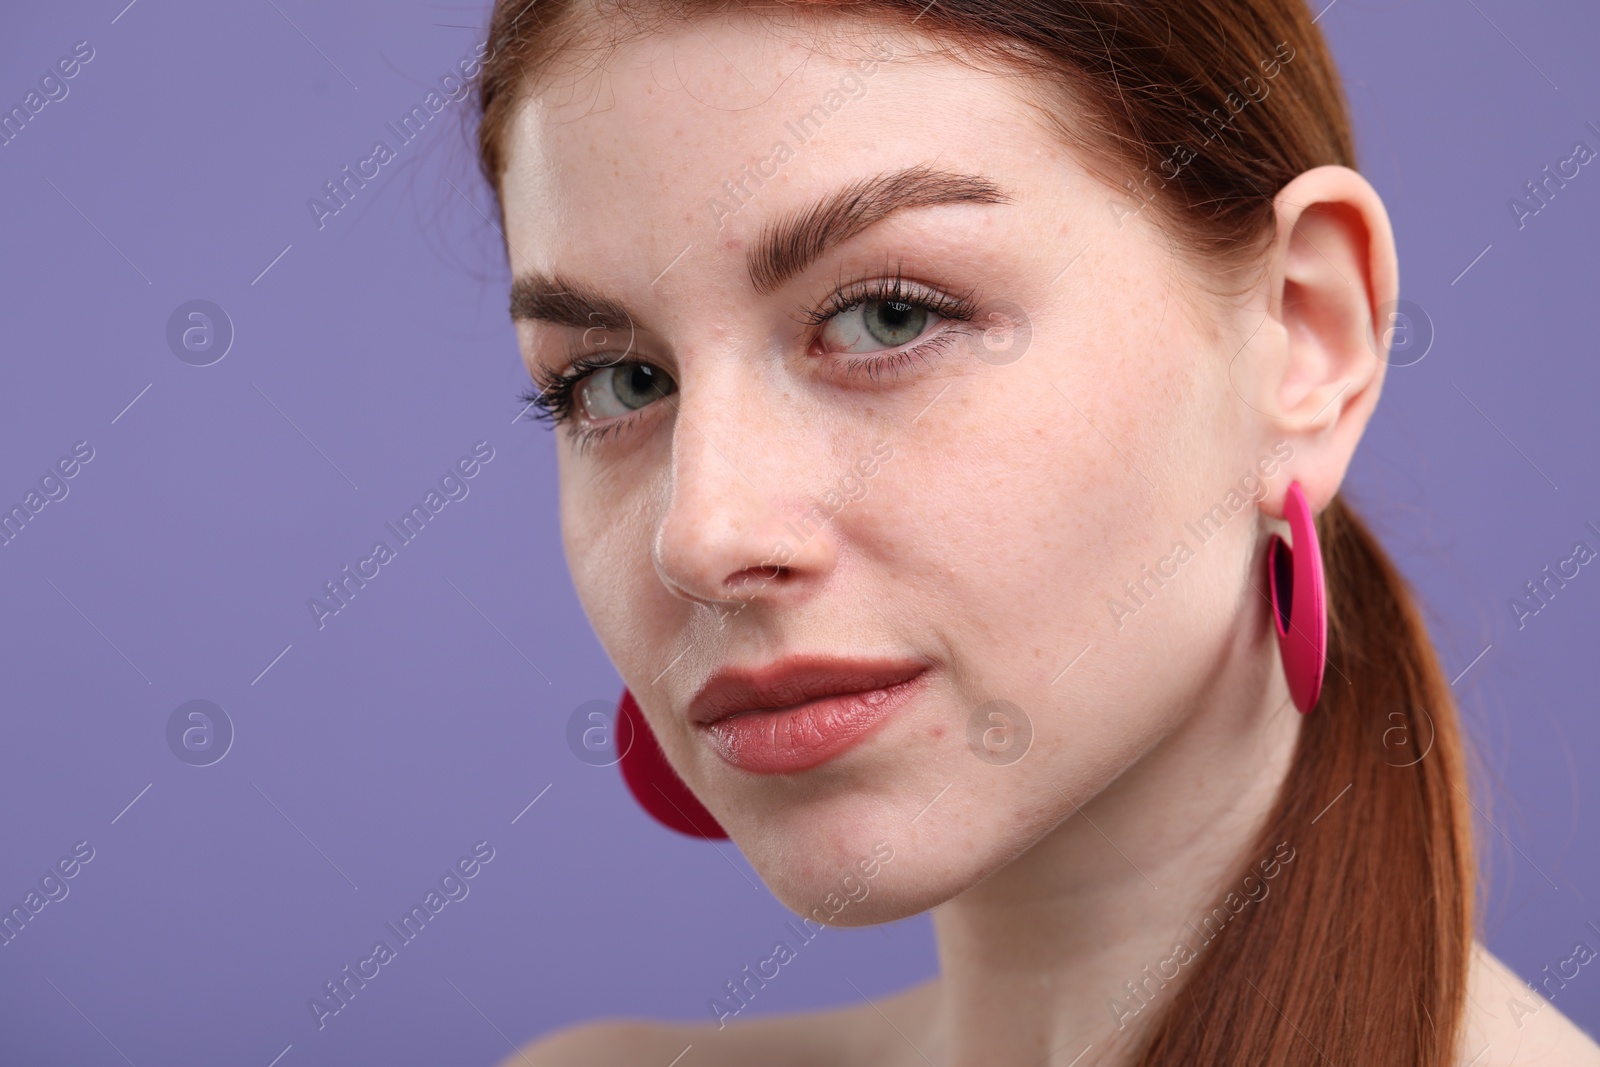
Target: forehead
(701, 134)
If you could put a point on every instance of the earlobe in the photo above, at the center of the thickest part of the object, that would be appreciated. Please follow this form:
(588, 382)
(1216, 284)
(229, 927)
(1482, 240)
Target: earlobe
(1334, 266)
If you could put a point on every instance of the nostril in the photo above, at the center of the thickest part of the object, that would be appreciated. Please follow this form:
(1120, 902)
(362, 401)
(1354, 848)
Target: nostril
(758, 576)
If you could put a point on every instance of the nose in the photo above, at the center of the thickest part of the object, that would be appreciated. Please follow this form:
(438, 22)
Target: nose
(742, 524)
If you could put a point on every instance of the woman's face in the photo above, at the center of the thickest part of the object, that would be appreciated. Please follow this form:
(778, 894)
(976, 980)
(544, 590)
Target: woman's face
(792, 458)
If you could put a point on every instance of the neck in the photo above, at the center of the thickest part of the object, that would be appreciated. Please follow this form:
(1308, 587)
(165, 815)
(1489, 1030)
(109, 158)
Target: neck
(1072, 949)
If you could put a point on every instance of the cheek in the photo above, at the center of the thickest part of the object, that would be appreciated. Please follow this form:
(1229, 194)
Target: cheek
(606, 538)
(993, 533)
(1006, 546)
(1005, 512)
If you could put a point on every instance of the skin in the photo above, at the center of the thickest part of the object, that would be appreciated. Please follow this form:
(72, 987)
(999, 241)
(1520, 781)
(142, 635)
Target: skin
(1020, 495)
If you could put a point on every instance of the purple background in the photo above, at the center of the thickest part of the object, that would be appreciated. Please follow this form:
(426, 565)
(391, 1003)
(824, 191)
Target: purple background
(428, 714)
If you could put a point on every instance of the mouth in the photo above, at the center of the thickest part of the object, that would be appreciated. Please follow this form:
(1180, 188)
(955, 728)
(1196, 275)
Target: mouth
(801, 712)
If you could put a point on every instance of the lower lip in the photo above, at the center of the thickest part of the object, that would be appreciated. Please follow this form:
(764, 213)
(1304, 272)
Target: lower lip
(788, 740)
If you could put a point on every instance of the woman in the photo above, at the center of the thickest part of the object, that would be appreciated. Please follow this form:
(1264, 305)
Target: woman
(932, 381)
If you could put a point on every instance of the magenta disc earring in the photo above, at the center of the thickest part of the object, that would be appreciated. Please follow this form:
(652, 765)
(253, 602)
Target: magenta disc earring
(652, 781)
(1299, 601)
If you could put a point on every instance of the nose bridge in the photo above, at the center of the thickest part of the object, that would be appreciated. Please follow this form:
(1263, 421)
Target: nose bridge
(738, 482)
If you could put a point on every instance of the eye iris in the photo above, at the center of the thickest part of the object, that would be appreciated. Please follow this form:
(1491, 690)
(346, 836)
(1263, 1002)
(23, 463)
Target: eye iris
(894, 322)
(637, 384)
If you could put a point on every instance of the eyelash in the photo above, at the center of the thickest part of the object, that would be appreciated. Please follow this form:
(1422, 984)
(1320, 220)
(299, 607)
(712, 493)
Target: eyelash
(555, 392)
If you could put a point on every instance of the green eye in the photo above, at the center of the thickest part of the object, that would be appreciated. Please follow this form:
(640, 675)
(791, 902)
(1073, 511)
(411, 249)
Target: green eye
(886, 322)
(623, 388)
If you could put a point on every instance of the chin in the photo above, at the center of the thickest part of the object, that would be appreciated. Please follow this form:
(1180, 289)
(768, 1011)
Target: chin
(905, 885)
(860, 858)
(907, 819)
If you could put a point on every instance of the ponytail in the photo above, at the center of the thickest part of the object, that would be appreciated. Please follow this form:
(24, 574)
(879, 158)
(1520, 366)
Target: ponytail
(1362, 956)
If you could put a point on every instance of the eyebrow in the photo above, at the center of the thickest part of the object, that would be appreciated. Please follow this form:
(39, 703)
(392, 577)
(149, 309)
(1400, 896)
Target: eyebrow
(792, 243)
(786, 246)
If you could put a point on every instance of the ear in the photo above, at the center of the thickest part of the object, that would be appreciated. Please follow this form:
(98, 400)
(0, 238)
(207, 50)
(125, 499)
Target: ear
(1319, 364)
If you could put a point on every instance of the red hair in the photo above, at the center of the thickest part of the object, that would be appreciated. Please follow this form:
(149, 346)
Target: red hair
(1364, 955)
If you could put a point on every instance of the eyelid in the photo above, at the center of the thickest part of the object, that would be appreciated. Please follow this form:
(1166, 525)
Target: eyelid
(890, 283)
(584, 342)
(874, 364)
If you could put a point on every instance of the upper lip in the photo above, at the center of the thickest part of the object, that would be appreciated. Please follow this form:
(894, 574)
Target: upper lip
(794, 680)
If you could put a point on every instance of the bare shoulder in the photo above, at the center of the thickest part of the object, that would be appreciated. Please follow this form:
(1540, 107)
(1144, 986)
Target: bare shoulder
(606, 1041)
(1509, 1024)
(854, 1036)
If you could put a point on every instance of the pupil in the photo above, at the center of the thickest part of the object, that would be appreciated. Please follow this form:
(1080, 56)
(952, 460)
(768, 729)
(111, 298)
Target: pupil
(639, 385)
(894, 322)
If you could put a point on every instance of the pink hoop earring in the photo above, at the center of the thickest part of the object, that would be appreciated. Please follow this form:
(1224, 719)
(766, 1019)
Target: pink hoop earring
(653, 782)
(1299, 601)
